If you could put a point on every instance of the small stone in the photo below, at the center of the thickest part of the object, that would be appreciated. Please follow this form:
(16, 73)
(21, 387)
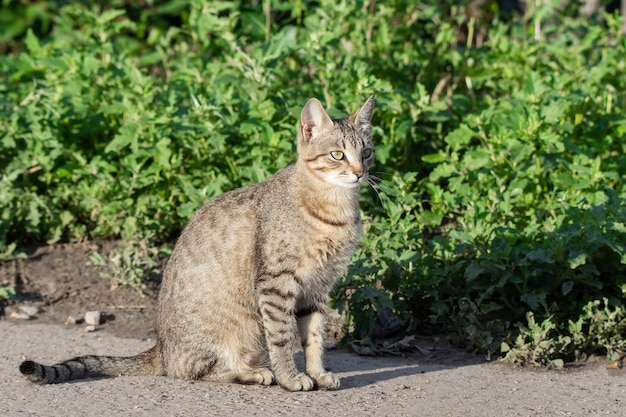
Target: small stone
(92, 318)
(29, 310)
(614, 365)
(90, 329)
(20, 315)
(73, 320)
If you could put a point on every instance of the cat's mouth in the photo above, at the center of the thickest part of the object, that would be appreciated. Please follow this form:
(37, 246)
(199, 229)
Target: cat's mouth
(355, 181)
(347, 180)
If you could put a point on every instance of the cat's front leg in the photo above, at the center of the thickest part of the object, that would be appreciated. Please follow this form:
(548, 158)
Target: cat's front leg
(312, 326)
(276, 304)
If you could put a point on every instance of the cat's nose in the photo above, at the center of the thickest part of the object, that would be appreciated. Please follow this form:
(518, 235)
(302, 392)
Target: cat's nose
(358, 169)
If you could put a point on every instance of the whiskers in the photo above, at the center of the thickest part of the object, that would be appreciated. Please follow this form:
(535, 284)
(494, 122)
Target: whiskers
(376, 183)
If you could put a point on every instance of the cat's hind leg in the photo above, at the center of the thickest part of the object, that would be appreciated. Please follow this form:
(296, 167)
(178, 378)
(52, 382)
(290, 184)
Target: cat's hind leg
(249, 367)
(260, 376)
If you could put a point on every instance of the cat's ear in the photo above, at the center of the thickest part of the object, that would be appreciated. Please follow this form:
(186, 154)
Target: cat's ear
(362, 118)
(314, 119)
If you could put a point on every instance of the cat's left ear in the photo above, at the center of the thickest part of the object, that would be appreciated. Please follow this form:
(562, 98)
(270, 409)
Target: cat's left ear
(362, 118)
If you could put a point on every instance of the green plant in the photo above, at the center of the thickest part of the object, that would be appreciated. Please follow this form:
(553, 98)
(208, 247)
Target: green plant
(538, 344)
(131, 264)
(599, 329)
(8, 293)
(502, 149)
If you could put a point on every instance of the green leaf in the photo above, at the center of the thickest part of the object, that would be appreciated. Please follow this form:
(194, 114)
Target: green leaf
(163, 152)
(443, 170)
(435, 158)
(8, 293)
(474, 270)
(532, 300)
(460, 137)
(577, 259)
(109, 15)
(567, 287)
(127, 137)
(476, 159)
(32, 43)
(540, 255)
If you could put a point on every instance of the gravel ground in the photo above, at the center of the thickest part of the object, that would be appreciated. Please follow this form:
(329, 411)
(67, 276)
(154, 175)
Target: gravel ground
(370, 386)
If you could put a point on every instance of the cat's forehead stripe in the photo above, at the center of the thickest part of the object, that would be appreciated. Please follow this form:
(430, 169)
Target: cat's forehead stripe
(349, 133)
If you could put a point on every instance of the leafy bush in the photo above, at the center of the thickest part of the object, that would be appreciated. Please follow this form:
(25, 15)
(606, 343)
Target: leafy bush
(500, 219)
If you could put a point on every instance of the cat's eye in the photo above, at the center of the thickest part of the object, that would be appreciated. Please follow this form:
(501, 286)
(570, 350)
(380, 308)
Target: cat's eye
(367, 152)
(338, 155)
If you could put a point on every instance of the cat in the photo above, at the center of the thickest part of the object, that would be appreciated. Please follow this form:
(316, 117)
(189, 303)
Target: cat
(251, 265)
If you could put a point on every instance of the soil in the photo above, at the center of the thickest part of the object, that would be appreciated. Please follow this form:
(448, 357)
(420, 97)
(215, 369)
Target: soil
(435, 378)
(61, 281)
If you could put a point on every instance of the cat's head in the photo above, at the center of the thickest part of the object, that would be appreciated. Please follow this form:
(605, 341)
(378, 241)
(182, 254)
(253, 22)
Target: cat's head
(337, 151)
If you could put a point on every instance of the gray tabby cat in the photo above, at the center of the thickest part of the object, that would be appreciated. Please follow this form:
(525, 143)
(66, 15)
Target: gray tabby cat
(251, 264)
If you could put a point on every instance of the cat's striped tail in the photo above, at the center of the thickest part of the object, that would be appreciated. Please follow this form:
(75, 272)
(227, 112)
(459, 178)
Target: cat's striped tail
(146, 363)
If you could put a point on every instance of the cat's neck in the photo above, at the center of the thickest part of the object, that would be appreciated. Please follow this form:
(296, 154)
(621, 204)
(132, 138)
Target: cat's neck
(338, 205)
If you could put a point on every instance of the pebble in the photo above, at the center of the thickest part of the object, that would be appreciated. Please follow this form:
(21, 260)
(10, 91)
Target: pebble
(29, 310)
(20, 315)
(74, 320)
(92, 318)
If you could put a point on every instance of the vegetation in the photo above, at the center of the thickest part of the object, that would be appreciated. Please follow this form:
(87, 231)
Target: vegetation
(501, 218)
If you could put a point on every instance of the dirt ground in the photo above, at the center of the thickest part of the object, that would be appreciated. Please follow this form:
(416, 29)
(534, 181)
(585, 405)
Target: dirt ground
(435, 380)
(61, 281)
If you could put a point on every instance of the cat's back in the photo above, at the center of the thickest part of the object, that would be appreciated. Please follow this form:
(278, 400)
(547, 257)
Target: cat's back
(228, 224)
(248, 204)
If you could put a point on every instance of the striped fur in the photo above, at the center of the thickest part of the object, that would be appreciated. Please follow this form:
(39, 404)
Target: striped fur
(251, 266)
(147, 363)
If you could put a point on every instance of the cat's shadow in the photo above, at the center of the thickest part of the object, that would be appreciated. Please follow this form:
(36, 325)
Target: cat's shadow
(371, 378)
(361, 371)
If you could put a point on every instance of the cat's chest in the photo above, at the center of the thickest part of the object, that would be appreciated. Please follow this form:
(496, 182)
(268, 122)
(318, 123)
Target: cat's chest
(325, 256)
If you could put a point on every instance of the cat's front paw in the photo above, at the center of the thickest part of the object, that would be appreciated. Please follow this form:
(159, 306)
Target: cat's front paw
(299, 382)
(327, 380)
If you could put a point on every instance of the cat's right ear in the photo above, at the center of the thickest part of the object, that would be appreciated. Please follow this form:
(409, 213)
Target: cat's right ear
(313, 119)
(362, 118)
